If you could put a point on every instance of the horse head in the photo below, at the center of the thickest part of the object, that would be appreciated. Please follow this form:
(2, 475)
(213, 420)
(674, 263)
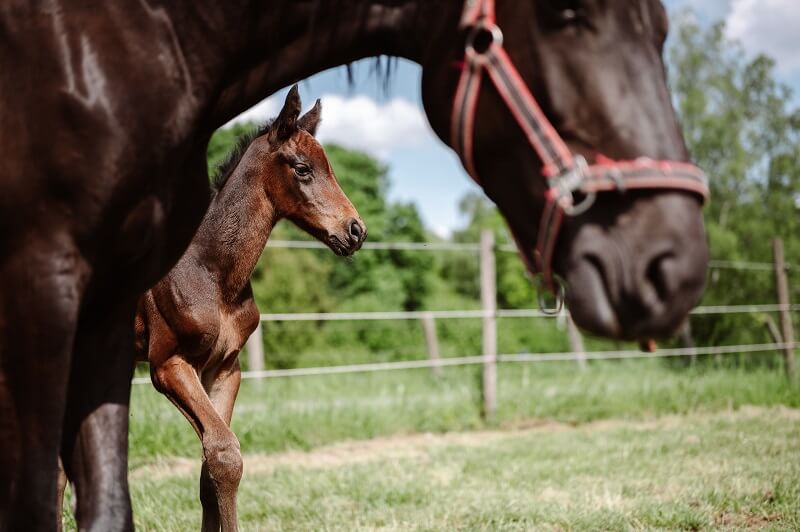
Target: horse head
(301, 183)
(562, 114)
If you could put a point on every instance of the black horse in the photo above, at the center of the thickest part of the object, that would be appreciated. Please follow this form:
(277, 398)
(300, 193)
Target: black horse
(105, 113)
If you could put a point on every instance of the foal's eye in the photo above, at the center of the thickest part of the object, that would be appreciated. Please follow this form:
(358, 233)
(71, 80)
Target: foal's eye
(302, 170)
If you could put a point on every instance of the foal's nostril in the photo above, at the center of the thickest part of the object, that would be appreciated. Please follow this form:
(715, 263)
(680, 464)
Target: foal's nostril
(356, 230)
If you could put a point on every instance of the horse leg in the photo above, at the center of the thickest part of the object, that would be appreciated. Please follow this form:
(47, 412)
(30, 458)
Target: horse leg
(41, 287)
(178, 380)
(95, 442)
(219, 500)
(62, 486)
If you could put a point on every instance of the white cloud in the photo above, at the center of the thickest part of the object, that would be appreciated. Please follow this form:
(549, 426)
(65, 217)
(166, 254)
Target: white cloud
(769, 27)
(261, 112)
(442, 231)
(359, 122)
(362, 123)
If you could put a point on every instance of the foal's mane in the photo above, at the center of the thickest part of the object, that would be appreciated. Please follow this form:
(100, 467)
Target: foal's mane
(231, 161)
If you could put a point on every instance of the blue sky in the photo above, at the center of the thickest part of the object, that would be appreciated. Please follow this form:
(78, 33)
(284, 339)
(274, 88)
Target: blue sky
(391, 125)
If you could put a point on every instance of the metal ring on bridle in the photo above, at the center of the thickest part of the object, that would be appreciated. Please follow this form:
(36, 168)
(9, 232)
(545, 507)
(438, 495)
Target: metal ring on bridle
(571, 181)
(479, 29)
(560, 291)
(583, 206)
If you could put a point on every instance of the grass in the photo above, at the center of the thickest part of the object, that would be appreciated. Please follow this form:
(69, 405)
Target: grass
(737, 469)
(636, 445)
(307, 412)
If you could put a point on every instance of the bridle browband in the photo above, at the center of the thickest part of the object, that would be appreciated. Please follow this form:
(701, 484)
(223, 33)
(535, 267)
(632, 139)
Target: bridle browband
(565, 173)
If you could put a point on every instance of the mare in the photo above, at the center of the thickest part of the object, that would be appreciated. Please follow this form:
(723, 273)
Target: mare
(107, 109)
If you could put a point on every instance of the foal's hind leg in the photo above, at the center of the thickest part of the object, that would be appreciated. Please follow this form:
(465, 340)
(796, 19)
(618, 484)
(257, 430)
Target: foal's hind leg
(178, 380)
(219, 499)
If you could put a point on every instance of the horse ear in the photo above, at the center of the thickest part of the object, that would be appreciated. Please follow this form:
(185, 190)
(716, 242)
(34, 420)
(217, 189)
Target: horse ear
(286, 123)
(310, 121)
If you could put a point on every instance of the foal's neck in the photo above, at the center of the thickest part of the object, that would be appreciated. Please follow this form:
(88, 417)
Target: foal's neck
(236, 228)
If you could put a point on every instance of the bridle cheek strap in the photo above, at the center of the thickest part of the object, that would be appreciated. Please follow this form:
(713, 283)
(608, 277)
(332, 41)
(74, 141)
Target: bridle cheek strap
(566, 174)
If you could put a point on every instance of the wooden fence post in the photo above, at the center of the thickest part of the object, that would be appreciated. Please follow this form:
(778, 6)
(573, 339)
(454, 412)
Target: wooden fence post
(255, 350)
(432, 343)
(489, 306)
(576, 342)
(787, 329)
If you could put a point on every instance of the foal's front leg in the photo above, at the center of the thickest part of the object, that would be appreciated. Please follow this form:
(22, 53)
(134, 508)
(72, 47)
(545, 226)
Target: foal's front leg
(178, 380)
(219, 499)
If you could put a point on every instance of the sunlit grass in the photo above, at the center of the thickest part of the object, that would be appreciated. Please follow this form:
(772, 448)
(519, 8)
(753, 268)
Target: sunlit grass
(306, 412)
(724, 470)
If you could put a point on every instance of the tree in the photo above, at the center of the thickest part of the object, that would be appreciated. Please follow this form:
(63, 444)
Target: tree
(740, 128)
(514, 288)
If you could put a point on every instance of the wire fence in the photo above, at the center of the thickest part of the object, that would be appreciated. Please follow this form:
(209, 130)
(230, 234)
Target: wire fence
(506, 358)
(474, 247)
(489, 313)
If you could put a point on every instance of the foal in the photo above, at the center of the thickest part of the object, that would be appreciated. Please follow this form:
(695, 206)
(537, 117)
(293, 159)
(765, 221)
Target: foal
(192, 324)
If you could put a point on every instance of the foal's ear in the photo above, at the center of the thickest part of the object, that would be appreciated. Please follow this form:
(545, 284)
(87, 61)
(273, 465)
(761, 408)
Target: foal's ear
(286, 123)
(310, 121)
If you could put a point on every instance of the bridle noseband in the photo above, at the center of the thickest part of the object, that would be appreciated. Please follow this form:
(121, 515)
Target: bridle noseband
(565, 173)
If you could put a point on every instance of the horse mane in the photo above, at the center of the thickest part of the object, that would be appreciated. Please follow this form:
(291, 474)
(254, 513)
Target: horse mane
(381, 68)
(231, 161)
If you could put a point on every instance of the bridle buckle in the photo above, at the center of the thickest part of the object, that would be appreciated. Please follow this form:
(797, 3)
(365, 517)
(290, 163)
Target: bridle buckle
(571, 181)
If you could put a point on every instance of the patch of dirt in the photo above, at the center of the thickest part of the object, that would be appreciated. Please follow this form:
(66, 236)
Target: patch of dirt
(346, 453)
(418, 445)
(745, 521)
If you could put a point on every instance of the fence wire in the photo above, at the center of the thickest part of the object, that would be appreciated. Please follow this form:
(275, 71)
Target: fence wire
(508, 358)
(502, 313)
(475, 248)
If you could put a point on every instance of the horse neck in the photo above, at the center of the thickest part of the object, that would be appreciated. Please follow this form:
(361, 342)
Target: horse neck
(236, 228)
(303, 38)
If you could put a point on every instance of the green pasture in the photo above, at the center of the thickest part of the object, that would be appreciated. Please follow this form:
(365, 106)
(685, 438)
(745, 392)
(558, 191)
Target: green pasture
(635, 445)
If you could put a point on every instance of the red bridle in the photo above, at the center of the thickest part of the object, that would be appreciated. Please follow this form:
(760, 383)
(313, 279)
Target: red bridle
(565, 173)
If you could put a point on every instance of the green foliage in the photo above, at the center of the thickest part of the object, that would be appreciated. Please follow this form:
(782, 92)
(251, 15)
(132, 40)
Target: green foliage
(514, 289)
(740, 128)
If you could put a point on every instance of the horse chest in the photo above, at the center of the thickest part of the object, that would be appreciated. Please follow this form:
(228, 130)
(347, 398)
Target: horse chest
(235, 327)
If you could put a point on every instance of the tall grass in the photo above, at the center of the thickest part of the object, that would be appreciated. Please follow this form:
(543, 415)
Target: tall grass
(306, 412)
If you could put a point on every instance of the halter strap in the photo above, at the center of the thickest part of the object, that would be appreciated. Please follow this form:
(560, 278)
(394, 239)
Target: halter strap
(564, 172)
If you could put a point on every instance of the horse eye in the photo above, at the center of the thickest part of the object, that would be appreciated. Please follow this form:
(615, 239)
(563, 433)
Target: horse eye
(572, 16)
(302, 170)
(568, 15)
(565, 13)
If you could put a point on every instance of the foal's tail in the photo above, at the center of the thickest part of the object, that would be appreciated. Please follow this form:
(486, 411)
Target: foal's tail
(140, 330)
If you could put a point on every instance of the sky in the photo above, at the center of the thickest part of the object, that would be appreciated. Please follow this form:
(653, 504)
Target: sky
(391, 125)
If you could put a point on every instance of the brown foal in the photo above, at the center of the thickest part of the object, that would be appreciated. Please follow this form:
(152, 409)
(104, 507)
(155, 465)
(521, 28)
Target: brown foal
(192, 324)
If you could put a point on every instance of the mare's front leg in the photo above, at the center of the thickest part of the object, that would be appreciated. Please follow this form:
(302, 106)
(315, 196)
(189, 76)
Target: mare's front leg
(95, 443)
(42, 283)
(62, 487)
(178, 380)
(219, 499)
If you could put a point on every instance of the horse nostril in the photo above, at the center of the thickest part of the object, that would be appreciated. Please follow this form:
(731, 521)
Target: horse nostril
(356, 231)
(659, 272)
